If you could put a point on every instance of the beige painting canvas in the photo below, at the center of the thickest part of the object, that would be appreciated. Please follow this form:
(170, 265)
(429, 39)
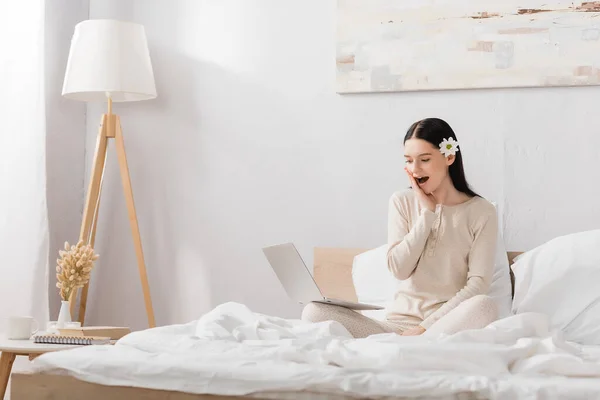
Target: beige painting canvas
(409, 45)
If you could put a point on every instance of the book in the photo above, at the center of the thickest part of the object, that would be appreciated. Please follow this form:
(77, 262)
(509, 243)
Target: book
(112, 332)
(72, 340)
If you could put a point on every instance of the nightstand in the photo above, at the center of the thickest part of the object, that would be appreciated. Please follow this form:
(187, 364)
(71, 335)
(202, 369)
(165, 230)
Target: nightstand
(10, 349)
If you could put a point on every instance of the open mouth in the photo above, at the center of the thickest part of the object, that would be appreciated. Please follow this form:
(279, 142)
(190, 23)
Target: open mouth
(422, 180)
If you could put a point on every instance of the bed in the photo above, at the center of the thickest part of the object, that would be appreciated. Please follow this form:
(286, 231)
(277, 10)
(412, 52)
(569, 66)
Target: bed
(332, 271)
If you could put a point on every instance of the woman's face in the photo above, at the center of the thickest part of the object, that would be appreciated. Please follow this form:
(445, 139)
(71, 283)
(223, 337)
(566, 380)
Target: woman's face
(426, 163)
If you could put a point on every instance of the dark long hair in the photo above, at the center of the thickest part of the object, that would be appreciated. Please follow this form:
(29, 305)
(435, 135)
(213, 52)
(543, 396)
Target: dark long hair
(435, 130)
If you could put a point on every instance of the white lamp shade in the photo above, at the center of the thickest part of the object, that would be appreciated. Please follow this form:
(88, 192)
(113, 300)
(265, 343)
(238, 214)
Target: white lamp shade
(109, 57)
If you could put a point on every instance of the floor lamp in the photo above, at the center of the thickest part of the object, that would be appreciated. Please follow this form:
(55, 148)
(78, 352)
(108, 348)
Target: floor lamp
(109, 62)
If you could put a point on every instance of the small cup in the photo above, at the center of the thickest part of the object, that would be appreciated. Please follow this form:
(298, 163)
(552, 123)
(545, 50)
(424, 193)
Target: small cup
(21, 328)
(51, 327)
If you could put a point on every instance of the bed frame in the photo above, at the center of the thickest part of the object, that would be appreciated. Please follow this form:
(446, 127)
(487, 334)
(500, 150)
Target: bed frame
(333, 273)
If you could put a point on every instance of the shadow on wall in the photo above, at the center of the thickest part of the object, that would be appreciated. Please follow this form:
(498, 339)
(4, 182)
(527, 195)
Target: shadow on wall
(191, 163)
(65, 139)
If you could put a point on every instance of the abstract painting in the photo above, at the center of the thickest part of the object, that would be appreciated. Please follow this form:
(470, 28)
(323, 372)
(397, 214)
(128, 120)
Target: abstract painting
(410, 45)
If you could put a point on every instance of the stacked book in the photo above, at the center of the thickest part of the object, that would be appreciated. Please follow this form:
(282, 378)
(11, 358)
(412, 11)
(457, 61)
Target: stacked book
(85, 335)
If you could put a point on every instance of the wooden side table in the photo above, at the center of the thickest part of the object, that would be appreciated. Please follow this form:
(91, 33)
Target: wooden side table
(10, 349)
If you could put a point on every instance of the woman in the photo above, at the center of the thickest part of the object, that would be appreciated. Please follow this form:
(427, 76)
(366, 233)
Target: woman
(442, 243)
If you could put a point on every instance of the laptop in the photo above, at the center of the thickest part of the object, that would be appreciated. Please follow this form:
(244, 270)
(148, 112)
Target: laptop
(298, 281)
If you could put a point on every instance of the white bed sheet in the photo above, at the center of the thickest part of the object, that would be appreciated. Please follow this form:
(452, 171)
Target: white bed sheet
(234, 351)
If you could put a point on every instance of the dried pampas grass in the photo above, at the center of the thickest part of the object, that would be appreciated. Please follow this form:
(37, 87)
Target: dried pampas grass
(74, 267)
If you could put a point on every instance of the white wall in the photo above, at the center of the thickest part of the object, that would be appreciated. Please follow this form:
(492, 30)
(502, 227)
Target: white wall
(65, 137)
(248, 145)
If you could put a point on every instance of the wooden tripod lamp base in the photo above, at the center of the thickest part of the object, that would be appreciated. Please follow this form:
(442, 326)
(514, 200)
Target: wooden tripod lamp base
(110, 128)
(109, 59)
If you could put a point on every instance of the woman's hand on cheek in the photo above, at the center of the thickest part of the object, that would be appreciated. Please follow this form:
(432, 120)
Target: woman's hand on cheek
(426, 200)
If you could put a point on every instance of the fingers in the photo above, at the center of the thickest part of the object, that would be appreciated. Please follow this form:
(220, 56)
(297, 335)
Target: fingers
(413, 332)
(411, 179)
(409, 176)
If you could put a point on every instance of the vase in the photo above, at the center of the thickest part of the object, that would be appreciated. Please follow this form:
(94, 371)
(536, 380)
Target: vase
(64, 314)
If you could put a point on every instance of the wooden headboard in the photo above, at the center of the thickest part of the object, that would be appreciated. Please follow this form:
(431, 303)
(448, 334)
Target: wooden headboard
(333, 271)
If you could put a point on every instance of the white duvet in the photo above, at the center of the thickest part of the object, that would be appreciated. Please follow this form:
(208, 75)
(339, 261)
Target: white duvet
(234, 351)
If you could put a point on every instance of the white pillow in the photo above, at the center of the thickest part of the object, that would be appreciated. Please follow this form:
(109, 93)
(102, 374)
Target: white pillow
(559, 279)
(375, 284)
(501, 287)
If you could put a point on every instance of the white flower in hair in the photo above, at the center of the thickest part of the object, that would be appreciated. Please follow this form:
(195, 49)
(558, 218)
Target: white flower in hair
(448, 147)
